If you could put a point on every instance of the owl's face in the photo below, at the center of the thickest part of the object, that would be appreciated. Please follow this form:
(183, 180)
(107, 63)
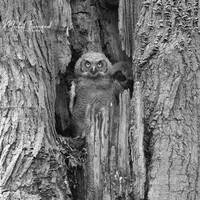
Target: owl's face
(93, 65)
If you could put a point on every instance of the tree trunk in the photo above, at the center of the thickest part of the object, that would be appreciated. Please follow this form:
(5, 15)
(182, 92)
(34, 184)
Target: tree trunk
(31, 165)
(107, 169)
(167, 61)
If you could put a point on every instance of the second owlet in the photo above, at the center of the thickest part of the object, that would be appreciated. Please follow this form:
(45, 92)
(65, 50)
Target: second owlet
(94, 86)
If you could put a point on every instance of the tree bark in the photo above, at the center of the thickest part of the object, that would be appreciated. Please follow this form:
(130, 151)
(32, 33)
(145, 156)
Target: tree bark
(107, 168)
(167, 60)
(95, 28)
(31, 165)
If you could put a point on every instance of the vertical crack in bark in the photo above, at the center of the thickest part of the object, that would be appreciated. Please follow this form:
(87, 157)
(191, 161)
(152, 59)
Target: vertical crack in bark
(148, 152)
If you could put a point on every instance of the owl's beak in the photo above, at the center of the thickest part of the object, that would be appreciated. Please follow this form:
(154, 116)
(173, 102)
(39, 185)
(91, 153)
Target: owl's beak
(93, 70)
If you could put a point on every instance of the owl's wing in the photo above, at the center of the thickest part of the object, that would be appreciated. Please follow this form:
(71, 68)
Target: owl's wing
(72, 96)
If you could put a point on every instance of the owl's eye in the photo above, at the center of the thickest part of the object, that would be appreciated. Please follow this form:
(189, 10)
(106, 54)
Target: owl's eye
(99, 64)
(87, 64)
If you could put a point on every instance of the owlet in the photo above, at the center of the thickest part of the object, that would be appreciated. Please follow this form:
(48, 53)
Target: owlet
(94, 86)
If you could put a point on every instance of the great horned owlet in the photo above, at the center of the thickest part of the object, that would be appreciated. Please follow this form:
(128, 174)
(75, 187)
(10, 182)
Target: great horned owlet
(93, 85)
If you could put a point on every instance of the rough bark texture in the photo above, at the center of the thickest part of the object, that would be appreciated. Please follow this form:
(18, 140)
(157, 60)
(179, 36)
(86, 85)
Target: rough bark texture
(95, 28)
(128, 12)
(31, 166)
(167, 58)
(136, 147)
(107, 169)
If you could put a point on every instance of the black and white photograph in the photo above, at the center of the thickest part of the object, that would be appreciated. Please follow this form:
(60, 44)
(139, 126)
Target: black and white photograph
(99, 99)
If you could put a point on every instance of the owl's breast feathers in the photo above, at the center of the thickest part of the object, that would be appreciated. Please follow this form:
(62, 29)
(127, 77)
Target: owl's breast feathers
(99, 92)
